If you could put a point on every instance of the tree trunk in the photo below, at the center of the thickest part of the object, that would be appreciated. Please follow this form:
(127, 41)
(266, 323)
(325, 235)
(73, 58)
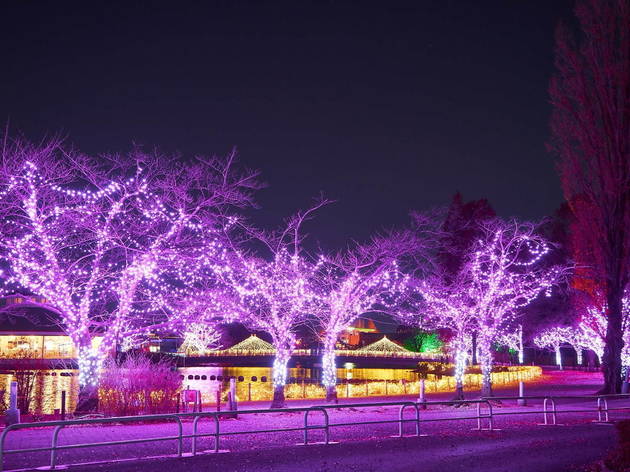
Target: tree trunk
(460, 369)
(521, 351)
(474, 348)
(90, 364)
(558, 357)
(279, 376)
(486, 366)
(88, 400)
(611, 360)
(329, 371)
(278, 397)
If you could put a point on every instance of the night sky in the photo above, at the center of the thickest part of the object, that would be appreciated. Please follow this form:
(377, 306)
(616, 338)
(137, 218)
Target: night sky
(383, 106)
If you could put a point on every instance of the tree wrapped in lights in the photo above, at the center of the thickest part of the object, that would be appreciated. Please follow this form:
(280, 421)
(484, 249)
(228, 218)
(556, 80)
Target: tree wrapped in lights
(100, 239)
(575, 338)
(504, 273)
(446, 306)
(553, 338)
(513, 340)
(501, 274)
(593, 326)
(362, 280)
(199, 338)
(277, 294)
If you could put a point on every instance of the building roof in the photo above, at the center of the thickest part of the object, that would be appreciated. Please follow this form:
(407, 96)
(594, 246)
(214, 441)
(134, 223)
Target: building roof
(25, 314)
(384, 345)
(253, 343)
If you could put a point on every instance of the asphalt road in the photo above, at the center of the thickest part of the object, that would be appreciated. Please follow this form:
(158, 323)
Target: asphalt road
(537, 449)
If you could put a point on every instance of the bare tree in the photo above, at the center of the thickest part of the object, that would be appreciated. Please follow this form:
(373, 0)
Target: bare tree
(363, 279)
(501, 275)
(590, 94)
(101, 238)
(276, 293)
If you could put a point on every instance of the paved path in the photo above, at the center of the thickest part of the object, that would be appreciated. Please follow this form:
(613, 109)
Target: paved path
(528, 449)
(521, 445)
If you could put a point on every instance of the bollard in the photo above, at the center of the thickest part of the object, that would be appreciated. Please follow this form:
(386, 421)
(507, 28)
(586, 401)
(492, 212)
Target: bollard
(63, 405)
(233, 401)
(421, 397)
(521, 393)
(13, 414)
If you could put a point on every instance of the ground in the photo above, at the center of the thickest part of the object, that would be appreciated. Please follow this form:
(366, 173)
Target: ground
(521, 445)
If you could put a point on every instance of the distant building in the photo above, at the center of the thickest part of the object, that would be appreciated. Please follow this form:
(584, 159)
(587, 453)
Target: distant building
(355, 335)
(29, 329)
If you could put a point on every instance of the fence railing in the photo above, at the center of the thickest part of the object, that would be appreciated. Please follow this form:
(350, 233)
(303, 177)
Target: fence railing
(485, 417)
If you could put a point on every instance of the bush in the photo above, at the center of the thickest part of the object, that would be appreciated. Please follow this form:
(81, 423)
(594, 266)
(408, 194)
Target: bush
(137, 386)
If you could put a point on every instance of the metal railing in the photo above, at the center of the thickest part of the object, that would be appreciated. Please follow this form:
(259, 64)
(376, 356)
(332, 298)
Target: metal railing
(485, 417)
(550, 409)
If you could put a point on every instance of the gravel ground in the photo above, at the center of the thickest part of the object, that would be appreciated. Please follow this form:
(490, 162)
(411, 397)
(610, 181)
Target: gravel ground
(519, 444)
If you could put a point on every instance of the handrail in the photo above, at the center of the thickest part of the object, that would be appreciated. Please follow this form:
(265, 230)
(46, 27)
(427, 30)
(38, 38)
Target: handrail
(489, 416)
(549, 408)
(414, 405)
(325, 427)
(59, 425)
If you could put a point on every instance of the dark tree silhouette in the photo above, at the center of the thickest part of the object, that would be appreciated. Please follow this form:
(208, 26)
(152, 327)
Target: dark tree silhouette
(590, 94)
(463, 226)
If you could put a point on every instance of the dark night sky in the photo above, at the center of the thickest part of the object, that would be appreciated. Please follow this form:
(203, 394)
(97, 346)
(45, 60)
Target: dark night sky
(384, 106)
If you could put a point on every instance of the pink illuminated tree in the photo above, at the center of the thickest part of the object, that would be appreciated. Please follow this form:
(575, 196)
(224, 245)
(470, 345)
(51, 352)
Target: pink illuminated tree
(104, 240)
(593, 326)
(505, 273)
(364, 279)
(276, 294)
(501, 274)
(553, 338)
(447, 306)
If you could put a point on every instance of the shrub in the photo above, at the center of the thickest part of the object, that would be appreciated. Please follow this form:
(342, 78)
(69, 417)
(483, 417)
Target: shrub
(137, 385)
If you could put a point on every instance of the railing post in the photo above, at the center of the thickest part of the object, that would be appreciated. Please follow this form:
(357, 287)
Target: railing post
(491, 418)
(2, 438)
(600, 401)
(479, 416)
(326, 426)
(307, 427)
(194, 438)
(180, 440)
(417, 419)
(400, 420)
(217, 433)
(53, 450)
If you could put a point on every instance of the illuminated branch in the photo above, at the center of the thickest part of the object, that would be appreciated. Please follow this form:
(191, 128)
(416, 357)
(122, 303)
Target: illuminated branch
(105, 240)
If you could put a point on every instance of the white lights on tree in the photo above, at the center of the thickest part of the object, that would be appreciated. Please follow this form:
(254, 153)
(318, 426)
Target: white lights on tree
(104, 240)
(363, 279)
(554, 338)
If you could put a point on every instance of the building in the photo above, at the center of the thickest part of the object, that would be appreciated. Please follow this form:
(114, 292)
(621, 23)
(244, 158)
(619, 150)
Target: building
(354, 336)
(29, 329)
